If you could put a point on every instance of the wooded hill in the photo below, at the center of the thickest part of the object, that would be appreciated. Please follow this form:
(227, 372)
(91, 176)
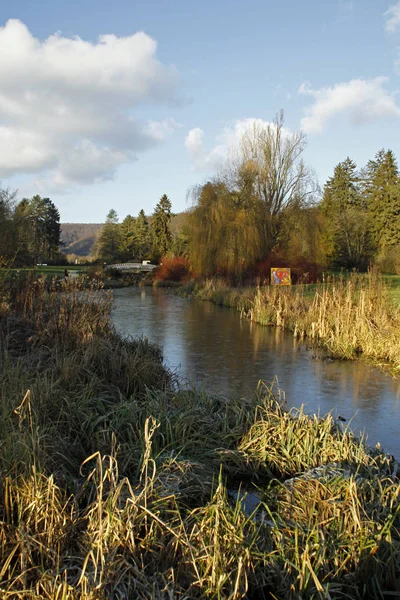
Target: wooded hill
(78, 238)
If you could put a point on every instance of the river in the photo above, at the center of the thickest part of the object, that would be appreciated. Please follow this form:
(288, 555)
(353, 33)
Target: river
(212, 348)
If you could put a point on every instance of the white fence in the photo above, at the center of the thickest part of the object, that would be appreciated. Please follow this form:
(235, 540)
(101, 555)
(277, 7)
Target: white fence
(132, 267)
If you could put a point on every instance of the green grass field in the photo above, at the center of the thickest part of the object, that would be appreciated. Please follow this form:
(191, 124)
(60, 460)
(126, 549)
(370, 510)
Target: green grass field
(51, 271)
(392, 281)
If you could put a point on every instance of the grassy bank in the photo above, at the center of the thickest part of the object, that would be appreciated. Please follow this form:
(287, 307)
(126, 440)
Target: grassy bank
(48, 271)
(348, 316)
(116, 484)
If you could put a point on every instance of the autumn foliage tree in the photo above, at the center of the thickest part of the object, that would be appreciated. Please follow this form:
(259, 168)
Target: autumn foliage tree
(238, 218)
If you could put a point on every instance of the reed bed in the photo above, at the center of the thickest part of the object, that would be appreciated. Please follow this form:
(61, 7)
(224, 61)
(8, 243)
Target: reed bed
(117, 484)
(347, 316)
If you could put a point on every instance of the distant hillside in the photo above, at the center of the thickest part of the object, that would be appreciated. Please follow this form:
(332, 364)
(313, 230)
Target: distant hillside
(78, 238)
(179, 220)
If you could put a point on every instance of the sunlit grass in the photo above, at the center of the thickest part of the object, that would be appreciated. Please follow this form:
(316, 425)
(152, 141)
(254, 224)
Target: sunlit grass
(393, 283)
(49, 271)
(350, 316)
(116, 484)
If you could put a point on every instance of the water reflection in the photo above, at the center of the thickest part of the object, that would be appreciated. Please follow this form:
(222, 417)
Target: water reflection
(213, 348)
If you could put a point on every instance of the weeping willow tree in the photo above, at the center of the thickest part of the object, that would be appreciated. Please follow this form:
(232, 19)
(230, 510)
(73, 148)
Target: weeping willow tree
(224, 230)
(238, 218)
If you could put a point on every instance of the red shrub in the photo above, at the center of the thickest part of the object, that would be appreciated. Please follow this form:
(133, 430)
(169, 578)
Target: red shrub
(302, 270)
(172, 269)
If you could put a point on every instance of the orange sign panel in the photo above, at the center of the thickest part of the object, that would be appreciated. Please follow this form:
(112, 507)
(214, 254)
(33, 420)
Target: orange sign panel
(280, 276)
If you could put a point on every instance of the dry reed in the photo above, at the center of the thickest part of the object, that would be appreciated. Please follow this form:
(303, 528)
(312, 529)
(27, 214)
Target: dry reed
(115, 484)
(348, 316)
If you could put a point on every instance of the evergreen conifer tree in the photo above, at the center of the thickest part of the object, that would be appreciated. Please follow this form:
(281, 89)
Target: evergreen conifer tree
(162, 226)
(341, 191)
(346, 236)
(109, 241)
(382, 192)
(142, 237)
(128, 238)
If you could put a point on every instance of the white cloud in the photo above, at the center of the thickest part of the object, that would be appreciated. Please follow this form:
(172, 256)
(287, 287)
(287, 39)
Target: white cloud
(66, 105)
(160, 130)
(228, 140)
(361, 99)
(392, 16)
(203, 159)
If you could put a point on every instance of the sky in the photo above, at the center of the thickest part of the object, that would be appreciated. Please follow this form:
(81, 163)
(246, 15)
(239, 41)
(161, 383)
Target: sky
(113, 104)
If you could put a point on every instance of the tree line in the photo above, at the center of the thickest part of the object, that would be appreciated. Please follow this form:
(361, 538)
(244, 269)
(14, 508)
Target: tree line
(361, 212)
(140, 238)
(29, 230)
(30, 233)
(265, 208)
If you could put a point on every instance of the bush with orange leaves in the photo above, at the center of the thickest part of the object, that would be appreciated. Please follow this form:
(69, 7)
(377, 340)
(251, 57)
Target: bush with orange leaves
(172, 269)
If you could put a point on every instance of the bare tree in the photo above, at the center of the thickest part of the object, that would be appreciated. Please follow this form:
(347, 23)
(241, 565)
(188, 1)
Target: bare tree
(268, 169)
(8, 199)
(239, 217)
(274, 158)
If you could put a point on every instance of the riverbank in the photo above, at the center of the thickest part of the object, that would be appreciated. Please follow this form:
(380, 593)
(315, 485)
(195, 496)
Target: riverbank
(116, 484)
(348, 317)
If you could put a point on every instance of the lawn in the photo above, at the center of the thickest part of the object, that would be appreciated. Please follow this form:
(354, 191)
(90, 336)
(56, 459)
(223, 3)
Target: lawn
(51, 271)
(393, 281)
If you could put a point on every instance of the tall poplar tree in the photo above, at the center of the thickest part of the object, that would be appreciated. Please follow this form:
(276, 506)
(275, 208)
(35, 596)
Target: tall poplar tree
(23, 229)
(52, 229)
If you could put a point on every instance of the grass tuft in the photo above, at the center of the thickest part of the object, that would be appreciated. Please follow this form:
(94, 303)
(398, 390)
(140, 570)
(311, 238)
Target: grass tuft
(115, 483)
(349, 316)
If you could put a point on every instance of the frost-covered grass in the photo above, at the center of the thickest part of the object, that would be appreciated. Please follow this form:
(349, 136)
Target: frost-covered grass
(115, 483)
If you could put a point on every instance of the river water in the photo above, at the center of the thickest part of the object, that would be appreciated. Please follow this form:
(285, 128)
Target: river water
(212, 348)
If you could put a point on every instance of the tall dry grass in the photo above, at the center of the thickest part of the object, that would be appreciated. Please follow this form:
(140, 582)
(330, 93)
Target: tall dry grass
(116, 484)
(348, 316)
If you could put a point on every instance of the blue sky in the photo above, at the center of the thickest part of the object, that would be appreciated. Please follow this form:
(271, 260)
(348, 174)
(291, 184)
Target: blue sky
(115, 122)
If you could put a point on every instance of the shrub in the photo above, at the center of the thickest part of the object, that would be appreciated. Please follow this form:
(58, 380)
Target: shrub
(388, 260)
(172, 269)
(302, 269)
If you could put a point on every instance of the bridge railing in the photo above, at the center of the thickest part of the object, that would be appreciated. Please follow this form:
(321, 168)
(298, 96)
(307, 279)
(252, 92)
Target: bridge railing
(131, 267)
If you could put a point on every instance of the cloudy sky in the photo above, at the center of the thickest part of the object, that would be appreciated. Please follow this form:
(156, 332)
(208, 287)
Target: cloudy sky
(112, 104)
